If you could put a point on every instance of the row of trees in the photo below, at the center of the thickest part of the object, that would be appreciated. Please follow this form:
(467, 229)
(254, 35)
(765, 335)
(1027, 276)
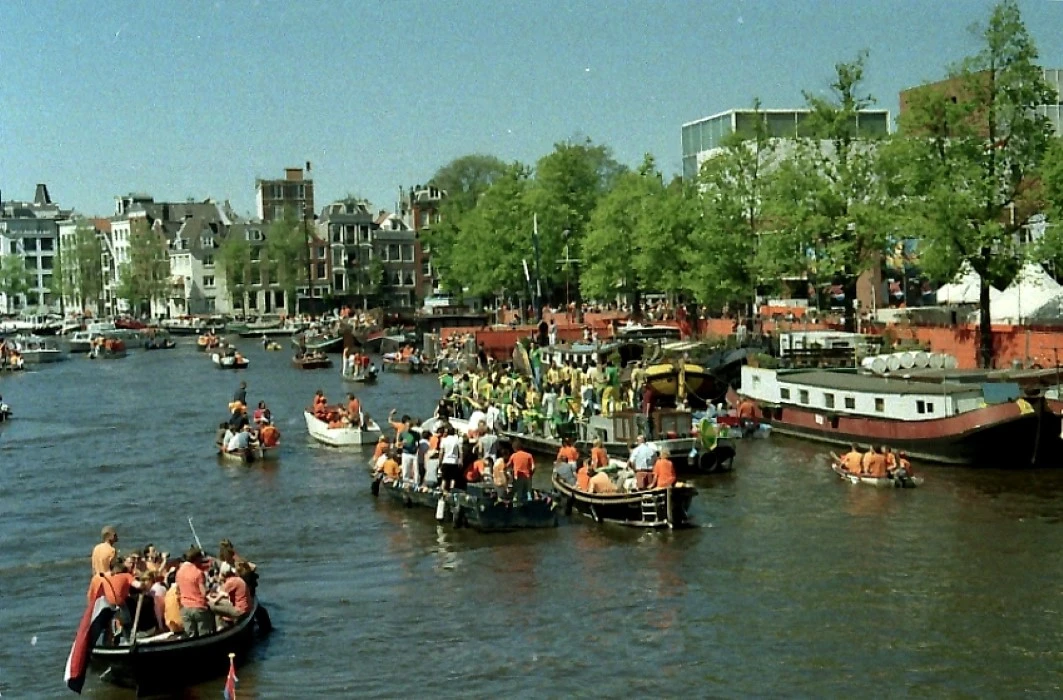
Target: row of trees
(964, 173)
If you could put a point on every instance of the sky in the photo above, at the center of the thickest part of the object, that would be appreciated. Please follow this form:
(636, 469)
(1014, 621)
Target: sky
(198, 99)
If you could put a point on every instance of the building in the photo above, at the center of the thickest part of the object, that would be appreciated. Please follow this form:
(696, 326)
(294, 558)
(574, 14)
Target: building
(198, 286)
(348, 227)
(953, 87)
(101, 228)
(30, 231)
(419, 208)
(703, 138)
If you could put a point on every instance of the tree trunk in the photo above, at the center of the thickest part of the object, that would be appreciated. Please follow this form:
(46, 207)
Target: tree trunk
(985, 328)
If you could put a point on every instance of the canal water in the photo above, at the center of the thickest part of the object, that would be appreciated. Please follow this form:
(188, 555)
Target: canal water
(792, 584)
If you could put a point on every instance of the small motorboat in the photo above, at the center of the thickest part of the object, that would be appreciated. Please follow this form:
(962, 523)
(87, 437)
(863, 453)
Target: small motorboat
(35, 349)
(107, 349)
(5, 412)
(655, 508)
(364, 375)
(346, 436)
(208, 341)
(256, 453)
(312, 360)
(229, 359)
(898, 480)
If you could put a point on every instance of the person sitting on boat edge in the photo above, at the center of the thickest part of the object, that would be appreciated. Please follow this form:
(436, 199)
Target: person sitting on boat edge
(354, 411)
(196, 617)
(240, 442)
(853, 460)
(904, 465)
(382, 446)
(890, 459)
(221, 436)
(262, 414)
(231, 602)
(663, 471)
(599, 457)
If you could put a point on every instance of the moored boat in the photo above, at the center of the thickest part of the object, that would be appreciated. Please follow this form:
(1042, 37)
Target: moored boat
(480, 507)
(313, 360)
(318, 342)
(184, 325)
(346, 436)
(36, 350)
(652, 508)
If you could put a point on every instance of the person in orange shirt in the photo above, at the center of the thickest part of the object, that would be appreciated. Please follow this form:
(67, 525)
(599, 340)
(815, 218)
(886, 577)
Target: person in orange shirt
(567, 453)
(747, 410)
(875, 464)
(116, 585)
(523, 466)
(475, 472)
(890, 459)
(381, 447)
(853, 460)
(269, 435)
(663, 471)
(390, 468)
(583, 475)
(903, 464)
(354, 411)
(599, 457)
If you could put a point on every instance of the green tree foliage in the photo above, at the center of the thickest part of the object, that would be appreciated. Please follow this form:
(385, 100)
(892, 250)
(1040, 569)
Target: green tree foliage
(146, 277)
(234, 258)
(286, 252)
(82, 267)
(15, 279)
(971, 154)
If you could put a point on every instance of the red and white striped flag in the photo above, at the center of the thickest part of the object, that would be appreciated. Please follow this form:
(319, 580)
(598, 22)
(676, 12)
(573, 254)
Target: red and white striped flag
(97, 617)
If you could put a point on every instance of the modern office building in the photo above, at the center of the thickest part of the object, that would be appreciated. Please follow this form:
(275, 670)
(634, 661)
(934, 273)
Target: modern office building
(702, 138)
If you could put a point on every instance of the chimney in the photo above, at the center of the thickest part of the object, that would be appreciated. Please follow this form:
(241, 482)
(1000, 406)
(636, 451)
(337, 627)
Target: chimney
(41, 195)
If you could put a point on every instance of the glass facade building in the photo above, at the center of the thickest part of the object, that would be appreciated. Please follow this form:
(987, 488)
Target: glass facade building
(702, 137)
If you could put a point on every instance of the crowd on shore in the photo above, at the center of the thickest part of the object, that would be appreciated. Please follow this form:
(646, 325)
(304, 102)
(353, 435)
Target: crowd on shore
(194, 595)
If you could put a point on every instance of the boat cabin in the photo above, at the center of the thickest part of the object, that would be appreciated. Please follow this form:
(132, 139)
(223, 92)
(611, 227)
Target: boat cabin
(624, 426)
(585, 354)
(850, 393)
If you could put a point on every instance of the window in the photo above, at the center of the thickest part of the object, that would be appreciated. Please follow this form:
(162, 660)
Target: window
(880, 405)
(255, 252)
(320, 271)
(408, 280)
(756, 380)
(211, 304)
(920, 406)
(784, 393)
(828, 400)
(407, 252)
(208, 281)
(30, 244)
(208, 261)
(338, 283)
(850, 403)
(252, 301)
(929, 406)
(47, 244)
(46, 263)
(393, 251)
(803, 395)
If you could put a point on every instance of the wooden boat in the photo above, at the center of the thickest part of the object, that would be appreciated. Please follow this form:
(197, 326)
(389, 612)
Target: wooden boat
(697, 382)
(208, 342)
(223, 360)
(364, 376)
(341, 437)
(312, 361)
(890, 482)
(401, 366)
(480, 507)
(168, 661)
(663, 507)
(253, 454)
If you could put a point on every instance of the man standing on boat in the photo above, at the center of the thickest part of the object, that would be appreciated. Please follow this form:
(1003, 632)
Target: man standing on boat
(641, 460)
(103, 554)
(192, 584)
(523, 466)
(240, 395)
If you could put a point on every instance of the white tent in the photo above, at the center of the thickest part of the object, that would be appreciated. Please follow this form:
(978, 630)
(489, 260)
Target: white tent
(1034, 295)
(966, 288)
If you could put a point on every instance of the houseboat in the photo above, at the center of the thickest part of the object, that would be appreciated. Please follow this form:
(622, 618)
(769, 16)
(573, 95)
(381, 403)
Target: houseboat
(945, 416)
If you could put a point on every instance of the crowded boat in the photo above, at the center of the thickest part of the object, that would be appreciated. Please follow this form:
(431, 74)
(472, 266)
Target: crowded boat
(243, 438)
(340, 425)
(877, 466)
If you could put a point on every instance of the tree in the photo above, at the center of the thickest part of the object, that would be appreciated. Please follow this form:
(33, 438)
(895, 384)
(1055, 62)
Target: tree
(286, 251)
(733, 186)
(464, 179)
(973, 149)
(234, 258)
(146, 277)
(81, 267)
(15, 279)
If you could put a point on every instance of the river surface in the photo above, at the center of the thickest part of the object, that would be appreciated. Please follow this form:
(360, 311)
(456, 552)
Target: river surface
(792, 584)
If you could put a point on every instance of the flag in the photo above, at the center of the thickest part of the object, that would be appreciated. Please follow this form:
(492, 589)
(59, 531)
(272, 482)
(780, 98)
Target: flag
(97, 617)
(230, 681)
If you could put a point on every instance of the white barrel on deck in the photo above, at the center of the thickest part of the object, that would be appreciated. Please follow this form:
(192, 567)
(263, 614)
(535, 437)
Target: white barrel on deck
(907, 359)
(950, 362)
(922, 359)
(893, 362)
(937, 360)
(876, 364)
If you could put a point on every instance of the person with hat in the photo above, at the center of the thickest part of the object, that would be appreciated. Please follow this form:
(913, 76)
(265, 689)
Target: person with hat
(191, 581)
(104, 554)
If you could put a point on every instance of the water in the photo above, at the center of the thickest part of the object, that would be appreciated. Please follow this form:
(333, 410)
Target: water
(793, 583)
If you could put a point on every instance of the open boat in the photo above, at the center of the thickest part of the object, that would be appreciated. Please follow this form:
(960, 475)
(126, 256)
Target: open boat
(254, 454)
(208, 341)
(661, 507)
(312, 360)
(480, 506)
(366, 375)
(168, 661)
(897, 481)
(108, 349)
(341, 437)
(391, 364)
(229, 361)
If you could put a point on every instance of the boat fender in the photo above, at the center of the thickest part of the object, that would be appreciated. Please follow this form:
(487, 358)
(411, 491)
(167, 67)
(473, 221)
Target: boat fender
(707, 462)
(441, 508)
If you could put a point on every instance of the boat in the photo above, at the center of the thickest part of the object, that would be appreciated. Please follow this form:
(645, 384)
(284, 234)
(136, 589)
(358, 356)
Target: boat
(318, 342)
(228, 359)
(671, 429)
(393, 364)
(159, 341)
(936, 415)
(82, 341)
(341, 437)
(272, 346)
(208, 341)
(257, 453)
(168, 661)
(269, 326)
(699, 385)
(185, 325)
(890, 482)
(107, 349)
(312, 360)
(34, 324)
(5, 412)
(480, 506)
(653, 508)
(365, 375)
(36, 350)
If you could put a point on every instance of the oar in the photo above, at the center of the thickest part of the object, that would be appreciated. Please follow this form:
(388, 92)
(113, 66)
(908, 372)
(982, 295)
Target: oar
(136, 620)
(194, 535)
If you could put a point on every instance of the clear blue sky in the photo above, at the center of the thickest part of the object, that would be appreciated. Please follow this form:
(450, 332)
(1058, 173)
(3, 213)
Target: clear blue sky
(197, 99)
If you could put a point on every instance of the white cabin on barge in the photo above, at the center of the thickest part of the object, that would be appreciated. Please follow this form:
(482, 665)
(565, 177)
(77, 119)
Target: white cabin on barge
(869, 396)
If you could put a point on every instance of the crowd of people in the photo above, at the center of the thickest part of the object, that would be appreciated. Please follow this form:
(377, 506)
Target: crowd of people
(10, 357)
(193, 596)
(647, 467)
(356, 362)
(242, 434)
(351, 415)
(876, 462)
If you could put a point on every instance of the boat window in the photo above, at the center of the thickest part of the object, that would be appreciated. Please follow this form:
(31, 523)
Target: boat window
(850, 402)
(784, 393)
(880, 405)
(920, 406)
(756, 380)
(929, 406)
(803, 396)
(828, 400)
